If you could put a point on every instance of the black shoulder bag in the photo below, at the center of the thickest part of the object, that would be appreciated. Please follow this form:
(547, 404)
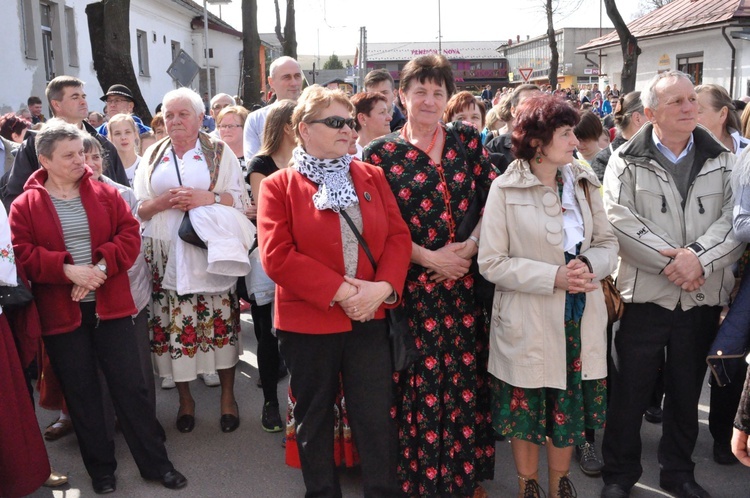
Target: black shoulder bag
(404, 350)
(186, 231)
(484, 290)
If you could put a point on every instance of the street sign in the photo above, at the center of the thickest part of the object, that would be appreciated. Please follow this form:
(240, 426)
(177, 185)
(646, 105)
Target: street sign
(525, 72)
(183, 69)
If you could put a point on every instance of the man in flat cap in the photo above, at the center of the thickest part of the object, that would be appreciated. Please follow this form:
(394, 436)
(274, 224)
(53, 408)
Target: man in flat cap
(120, 100)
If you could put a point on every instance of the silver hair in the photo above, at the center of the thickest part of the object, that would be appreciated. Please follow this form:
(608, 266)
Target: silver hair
(56, 130)
(185, 93)
(281, 60)
(221, 95)
(648, 95)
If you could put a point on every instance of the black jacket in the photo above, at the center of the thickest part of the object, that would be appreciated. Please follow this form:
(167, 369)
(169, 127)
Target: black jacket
(599, 163)
(398, 119)
(502, 145)
(26, 162)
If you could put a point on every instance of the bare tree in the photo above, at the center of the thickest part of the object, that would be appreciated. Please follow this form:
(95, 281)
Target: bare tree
(289, 39)
(251, 84)
(629, 46)
(109, 32)
(554, 59)
(646, 6)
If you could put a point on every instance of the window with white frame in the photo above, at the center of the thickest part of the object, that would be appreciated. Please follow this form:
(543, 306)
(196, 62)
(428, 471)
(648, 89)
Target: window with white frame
(142, 48)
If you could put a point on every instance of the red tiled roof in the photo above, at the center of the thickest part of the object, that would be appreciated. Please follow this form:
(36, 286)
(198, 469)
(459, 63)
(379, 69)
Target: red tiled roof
(676, 16)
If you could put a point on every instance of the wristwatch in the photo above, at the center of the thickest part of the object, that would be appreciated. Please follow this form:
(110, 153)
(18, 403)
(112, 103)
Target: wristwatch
(102, 267)
(217, 198)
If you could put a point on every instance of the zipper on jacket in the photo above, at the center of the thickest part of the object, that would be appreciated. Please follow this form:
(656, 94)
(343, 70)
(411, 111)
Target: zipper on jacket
(663, 203)
(700, 206)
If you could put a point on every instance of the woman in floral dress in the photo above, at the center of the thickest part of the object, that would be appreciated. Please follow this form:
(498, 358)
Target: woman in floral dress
(546, 245)
(195, 332)
(446, 444)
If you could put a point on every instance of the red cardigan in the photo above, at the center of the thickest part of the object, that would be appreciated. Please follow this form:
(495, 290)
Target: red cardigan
(40, 248)
(301, 248)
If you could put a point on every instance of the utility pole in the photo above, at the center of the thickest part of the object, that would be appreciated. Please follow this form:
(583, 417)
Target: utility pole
(362, 59)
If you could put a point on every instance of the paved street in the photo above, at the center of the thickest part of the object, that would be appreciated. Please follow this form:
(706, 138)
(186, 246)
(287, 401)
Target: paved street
(250, 462)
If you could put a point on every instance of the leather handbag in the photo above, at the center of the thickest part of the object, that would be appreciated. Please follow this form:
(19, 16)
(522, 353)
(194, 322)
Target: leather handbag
(404, 350)
(186, 231)
(612, 297)
(20, 295)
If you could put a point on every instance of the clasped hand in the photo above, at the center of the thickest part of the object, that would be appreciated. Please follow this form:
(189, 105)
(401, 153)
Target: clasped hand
(366, 298)
(575, 277)
(85, 278)
(451, 262)
(685, 270)
(186, 198)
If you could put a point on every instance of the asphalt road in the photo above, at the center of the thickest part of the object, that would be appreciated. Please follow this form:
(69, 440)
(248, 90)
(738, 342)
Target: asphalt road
(250, 462)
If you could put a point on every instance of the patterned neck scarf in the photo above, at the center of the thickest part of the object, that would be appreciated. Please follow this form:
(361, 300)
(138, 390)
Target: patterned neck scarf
(335, 189)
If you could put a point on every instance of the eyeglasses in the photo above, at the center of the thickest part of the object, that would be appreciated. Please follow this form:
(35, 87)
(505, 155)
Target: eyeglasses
(229, 127)
(336, 122)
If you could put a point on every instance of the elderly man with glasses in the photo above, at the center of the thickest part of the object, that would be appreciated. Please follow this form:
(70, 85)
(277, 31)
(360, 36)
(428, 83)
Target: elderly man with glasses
(120, 100)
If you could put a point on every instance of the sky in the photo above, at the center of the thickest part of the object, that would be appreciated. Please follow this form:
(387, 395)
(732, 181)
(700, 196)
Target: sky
(332, 26)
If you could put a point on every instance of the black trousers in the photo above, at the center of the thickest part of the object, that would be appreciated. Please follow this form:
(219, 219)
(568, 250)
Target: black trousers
(268, 349)
(110, 345)
(362, 356)
(724, 402)
(645, 330)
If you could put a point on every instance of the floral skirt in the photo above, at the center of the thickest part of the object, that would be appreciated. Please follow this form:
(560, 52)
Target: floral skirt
(191, 333)
(344, 451)
(562, 415)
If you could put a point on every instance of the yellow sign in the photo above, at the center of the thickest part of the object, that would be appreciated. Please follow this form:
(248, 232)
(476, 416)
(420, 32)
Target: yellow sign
(665, 61)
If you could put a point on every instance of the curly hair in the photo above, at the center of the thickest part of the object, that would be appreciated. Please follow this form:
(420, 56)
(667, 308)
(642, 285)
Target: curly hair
(537, 118)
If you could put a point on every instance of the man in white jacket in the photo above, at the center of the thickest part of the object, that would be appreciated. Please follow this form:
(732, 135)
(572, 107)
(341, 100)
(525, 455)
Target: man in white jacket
(668, 196)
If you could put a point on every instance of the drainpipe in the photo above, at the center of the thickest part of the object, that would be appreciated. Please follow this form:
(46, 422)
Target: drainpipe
(734, 50)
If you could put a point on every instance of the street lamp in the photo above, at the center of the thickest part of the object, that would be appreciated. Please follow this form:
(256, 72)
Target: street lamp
(205, 38)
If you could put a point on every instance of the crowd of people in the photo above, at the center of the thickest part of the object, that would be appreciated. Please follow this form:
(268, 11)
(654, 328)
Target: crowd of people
(474, 231)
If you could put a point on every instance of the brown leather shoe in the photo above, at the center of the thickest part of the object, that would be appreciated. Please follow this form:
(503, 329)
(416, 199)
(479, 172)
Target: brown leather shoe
(58, 429)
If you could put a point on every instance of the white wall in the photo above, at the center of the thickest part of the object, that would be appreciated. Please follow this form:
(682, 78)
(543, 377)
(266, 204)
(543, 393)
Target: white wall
(164, 18)
(716, 59)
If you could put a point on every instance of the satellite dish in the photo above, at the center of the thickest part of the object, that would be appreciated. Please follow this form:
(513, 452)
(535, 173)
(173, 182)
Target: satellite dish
(183, 69)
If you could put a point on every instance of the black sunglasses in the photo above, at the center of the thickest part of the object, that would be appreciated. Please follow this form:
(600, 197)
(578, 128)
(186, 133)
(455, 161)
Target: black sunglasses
(336, 122)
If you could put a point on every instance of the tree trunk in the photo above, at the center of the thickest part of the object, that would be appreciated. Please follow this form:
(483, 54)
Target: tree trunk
(289, 39)
(109, 32)
(554, 60)
(629, 46)
(251, 84)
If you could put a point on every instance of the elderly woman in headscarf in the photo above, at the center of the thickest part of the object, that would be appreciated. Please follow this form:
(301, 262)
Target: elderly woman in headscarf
(194, 317)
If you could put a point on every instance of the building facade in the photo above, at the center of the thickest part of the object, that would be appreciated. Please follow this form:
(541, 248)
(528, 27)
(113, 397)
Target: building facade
(52, 39)
(475, 63)
(707, 39)
(533, 56)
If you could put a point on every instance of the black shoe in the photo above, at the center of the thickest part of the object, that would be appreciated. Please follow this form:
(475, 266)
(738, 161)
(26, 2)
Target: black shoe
(589, 461)
(229, 422)
(653, 414)
(271, 419)
(104, 484)
(173, 480)
(689, 489)
(614, 491)
(723, 454)
(185, 423)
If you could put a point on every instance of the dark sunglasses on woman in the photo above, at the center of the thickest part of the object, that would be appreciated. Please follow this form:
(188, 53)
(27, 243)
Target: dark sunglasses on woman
(336, 122)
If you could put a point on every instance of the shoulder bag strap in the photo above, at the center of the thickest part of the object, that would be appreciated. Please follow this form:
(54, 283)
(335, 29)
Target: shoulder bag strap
(176, 167)
(360, 239)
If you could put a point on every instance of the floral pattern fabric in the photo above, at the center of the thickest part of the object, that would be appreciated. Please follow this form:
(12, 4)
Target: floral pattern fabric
(191, 333)
(562, 415)
(442, 407)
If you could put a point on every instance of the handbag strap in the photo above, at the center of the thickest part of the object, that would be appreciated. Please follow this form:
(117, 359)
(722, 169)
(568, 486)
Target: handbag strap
(360, 239)
(176, 166)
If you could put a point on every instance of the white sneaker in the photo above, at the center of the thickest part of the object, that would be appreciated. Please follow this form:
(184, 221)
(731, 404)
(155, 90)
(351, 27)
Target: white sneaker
(168, 382)
(211, 379)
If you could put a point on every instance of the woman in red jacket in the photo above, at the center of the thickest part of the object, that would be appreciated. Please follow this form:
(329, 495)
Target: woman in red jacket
(76, 239)
(329, 299)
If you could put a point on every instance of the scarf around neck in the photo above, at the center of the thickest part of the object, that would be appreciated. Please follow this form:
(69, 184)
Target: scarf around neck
(335, 188)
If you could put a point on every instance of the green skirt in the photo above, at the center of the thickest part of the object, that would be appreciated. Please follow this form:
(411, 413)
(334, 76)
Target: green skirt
(562, 415)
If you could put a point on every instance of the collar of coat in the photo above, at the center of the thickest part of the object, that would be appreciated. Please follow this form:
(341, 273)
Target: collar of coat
(212, 149)
(641, 147)
(519, 175)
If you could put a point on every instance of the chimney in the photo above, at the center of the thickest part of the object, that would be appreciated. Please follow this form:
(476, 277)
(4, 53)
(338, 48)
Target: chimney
(518, 38)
